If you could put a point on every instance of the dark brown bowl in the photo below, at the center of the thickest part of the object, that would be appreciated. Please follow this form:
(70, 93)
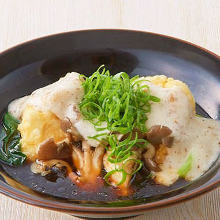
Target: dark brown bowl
(39, 62)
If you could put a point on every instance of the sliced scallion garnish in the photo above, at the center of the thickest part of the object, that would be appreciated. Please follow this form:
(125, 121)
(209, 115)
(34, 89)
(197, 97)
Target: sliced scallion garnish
(122, 103)
(186, 167)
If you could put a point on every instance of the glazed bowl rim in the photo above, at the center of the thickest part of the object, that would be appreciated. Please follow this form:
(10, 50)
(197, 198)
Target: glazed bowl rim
(79, 209)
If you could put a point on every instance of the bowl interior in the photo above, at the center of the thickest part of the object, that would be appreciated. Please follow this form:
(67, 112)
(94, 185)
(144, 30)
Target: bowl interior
(43, 61)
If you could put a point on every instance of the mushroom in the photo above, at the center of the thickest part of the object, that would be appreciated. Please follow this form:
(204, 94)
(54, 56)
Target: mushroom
(53, 169)
(158, 134)
(148, 159)
(65, 124)
(161, 154)
(150, 151)
(129, 166)
(88, 163)
(67, 127)
(168, 141)
(48, 150)
(151, 165)
(159, 137)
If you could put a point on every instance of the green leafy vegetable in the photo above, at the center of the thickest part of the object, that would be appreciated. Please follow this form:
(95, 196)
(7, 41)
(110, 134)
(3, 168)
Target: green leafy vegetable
(122, 103)
(10, 152)
(186, 167)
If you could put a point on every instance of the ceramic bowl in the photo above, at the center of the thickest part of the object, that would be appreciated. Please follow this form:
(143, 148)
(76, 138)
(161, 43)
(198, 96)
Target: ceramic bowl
(39, 62)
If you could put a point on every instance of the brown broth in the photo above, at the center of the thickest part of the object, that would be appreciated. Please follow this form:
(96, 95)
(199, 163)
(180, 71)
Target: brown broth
(64, 188)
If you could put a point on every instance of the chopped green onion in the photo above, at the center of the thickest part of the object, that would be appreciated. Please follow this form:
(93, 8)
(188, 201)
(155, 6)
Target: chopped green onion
(123, 104)
(119, 101)
(186, 167)
(107, 175)
(137, 162)
(124, 175)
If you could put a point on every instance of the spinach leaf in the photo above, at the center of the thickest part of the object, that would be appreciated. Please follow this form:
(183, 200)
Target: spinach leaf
(10, 148)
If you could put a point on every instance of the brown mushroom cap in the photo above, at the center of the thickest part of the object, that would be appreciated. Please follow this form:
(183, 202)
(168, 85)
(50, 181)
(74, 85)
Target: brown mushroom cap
(53, 169)
(48, 150)
(150, 152)
(68, 128)
(148, 159)
(168, 141)
(151, 165)
(65, 124)
(156, 134)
